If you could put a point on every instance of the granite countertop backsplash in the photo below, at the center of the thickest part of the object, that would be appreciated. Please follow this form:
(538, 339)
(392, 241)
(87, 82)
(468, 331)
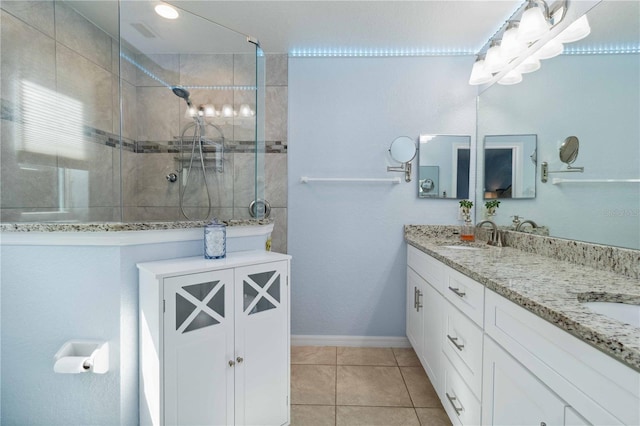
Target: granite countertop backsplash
(548, 287)
(121, 226)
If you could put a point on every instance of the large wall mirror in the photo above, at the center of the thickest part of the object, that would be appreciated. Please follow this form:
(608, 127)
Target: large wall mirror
(591, 92)
(509, 166)
(443, 166)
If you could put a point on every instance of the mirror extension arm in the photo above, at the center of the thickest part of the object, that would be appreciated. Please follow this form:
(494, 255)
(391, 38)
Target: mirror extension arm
(406, 168)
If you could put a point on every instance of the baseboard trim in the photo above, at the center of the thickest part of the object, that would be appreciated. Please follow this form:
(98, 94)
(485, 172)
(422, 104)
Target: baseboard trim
(353, 341)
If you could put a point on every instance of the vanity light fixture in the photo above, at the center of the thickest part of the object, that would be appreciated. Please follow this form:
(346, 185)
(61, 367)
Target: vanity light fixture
(576, 31)
(510, 78)
(530, 64)
(167, 11)
(534, 22)
(479, 74)
(511, 45)
(494, 59)
(551, 49)
(226, 111)
(524, 30)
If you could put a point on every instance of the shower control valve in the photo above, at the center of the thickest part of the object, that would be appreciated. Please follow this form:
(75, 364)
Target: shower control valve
(172, 177)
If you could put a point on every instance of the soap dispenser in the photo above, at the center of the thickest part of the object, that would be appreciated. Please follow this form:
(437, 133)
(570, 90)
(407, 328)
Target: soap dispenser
(215, 240)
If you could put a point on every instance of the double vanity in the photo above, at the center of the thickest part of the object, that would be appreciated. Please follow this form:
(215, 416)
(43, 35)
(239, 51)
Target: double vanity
(510, 336)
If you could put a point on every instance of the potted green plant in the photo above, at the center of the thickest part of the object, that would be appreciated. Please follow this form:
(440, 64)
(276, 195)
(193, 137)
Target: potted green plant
(465, 208)
(491, 207)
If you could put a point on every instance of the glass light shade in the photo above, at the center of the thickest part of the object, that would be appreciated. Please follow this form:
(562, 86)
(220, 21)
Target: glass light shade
(512, 77)
(551, 49)
(209, 111)
(511, 45)
(227, 110)
(166, 11)
(494, 61)
(245, 110)
(479, 75)
(533, 24)
(578, 30)
(530, 64)
(190, 113)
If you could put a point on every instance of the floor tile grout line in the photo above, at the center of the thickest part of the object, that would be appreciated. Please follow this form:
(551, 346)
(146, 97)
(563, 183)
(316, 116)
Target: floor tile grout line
(397, 365)
(335, 407)
(407, 387)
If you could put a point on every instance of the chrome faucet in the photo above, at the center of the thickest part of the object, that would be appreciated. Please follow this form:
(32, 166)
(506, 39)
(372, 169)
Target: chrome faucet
(524, 222)
(495, 234)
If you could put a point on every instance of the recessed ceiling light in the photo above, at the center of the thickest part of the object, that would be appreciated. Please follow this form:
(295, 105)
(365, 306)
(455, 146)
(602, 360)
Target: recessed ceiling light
(166, 11)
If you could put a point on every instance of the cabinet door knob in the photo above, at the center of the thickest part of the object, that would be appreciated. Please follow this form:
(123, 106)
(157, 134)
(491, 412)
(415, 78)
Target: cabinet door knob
(239, 359)
(232, 363)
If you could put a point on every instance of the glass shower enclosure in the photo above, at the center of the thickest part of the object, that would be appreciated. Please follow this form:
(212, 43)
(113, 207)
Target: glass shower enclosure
(112, 113)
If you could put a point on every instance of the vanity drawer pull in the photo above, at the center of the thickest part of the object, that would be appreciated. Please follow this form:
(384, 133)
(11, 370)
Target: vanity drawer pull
(457, 291)
(453, 404)
(415, 297)
(454, 340)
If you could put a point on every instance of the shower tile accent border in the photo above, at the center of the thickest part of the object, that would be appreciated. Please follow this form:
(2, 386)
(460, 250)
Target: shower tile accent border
(619, 260)
(121, 226)
(101, 137)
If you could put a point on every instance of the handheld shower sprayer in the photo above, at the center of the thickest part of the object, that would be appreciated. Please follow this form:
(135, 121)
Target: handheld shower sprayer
(182, 93)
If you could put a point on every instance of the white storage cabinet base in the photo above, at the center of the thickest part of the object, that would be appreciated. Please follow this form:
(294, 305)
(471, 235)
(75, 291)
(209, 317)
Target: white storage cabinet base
(214, 340)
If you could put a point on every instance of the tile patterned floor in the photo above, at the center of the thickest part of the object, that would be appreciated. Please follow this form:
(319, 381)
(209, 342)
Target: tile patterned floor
(340, 386)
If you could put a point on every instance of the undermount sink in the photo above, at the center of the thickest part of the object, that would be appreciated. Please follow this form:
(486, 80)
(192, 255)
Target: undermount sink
(624, 312)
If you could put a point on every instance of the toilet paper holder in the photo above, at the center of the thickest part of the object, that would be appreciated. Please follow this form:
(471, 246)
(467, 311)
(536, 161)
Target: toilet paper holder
(82, 356)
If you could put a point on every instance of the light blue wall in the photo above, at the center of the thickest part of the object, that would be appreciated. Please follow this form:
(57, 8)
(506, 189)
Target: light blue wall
(597, 99)
(349, 260)
(52, 294)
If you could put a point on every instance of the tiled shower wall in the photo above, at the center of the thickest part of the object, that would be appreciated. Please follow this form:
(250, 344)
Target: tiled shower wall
(49, 48)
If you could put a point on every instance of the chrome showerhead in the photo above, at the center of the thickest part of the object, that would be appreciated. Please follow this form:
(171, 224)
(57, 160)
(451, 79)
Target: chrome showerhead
(182, 93)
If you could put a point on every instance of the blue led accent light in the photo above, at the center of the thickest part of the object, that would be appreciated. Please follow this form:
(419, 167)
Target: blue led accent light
(221, 87)
(146, 71)
(375, 53)
(164, 83)
(602, 50)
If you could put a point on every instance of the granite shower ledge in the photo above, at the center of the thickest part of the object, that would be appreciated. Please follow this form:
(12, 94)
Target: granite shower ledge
(122, 226)
(123, 234)
(549, 288)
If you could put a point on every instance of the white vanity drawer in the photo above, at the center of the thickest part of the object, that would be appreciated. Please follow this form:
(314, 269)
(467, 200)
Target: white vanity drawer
(462, 344)
(459, 402)
(465, 294)
(426, 266)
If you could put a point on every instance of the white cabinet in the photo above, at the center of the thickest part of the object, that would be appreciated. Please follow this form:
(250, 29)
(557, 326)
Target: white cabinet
(514, 396)
(493, 362)
(424, 311)
(599, 388)
(415, 323)
(214, 340)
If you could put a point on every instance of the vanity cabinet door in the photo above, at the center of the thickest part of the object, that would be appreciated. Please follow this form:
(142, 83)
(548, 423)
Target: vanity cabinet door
(199, 349)
(415, 323)
(514, 396)
(262, 344)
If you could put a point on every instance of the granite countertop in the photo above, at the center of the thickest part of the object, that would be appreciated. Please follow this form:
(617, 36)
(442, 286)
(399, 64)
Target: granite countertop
(550, 288)
(121, 226)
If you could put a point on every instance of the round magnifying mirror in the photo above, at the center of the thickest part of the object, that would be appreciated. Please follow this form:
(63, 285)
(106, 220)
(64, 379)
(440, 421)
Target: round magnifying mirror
(403, 149)
(569, 150)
